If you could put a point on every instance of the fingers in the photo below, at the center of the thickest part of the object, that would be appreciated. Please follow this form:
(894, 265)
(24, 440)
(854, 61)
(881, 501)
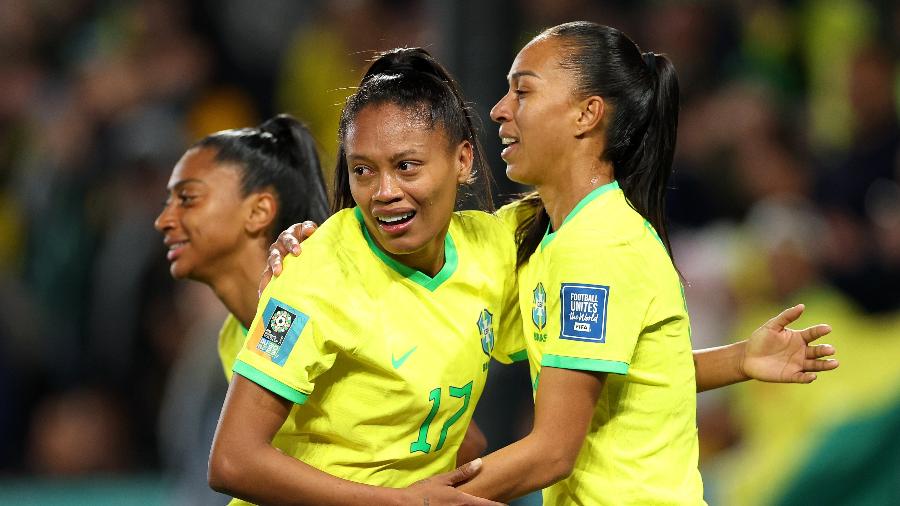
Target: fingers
(288, 241)
(820, 365)
(810, 334)
(786, 317)
(464, 472)
(819, 351)
(273, 263)
(306, 230)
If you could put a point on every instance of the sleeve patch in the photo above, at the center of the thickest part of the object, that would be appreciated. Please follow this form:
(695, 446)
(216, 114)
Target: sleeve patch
(583, 309)
(283, 325)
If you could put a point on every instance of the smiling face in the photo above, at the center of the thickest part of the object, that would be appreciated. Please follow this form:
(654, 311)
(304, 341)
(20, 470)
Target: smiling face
(203, 218)
(404, 176)
(538, 112)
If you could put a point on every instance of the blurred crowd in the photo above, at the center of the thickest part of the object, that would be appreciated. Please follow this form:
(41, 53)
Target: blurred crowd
(786, 190)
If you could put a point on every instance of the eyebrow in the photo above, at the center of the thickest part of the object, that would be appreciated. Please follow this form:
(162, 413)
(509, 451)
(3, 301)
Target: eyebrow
(516, 75)
(181, 183)
(393, 159)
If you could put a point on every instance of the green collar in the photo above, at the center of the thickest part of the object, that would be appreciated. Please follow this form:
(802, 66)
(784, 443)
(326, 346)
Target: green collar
(549, 235)
(418, 277)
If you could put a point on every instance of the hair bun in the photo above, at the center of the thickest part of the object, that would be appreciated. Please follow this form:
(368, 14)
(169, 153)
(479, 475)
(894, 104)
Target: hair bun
(403, 60)
(280, 127)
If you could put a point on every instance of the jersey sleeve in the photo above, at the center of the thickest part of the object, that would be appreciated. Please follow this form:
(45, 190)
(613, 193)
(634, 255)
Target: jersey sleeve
(603, 300)
(285, 350)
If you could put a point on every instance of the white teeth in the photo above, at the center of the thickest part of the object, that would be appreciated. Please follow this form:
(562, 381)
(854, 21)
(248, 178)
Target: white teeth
(392, 219)
(176, 245)
(506, 141)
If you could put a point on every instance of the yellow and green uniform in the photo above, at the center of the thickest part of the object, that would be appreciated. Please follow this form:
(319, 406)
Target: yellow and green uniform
(384, 363)
(601, 294)
(231, 338)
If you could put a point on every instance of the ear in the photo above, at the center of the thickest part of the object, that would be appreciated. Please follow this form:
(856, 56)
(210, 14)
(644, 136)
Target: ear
(590, 114)
(261, 210)
(464, 156)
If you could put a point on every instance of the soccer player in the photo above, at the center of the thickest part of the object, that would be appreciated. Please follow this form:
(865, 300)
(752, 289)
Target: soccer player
(228, 196)
(374, 344)
(591, 123)
(602, 304)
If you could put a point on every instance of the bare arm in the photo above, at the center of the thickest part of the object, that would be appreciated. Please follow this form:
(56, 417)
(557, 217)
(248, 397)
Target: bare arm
(774, 353)
(473, 444)
(564, 407)
(244, 464)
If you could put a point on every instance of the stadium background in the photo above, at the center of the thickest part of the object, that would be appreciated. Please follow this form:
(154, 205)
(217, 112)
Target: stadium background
(787, 189)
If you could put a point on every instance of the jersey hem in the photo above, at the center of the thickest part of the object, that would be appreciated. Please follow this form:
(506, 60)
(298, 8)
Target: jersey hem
(584, 364)
(269, 383)
(519, 356)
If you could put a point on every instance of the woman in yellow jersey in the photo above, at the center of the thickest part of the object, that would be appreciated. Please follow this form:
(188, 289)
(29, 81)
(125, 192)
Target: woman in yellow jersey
(374, 344)
(228, 196)
(603, 310)
(591, 123)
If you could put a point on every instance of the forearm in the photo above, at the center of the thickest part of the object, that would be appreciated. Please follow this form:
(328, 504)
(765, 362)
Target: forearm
(564, 407)
(267, 476)
(515, 470)
(243, 463)
(720, 366)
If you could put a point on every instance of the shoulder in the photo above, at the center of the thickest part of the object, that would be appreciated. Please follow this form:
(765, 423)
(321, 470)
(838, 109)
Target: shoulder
(336, 249)
(481, 225)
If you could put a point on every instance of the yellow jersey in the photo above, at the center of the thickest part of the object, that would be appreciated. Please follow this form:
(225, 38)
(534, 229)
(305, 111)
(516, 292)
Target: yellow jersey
(601, 294)
(385, 364)
(231, 338)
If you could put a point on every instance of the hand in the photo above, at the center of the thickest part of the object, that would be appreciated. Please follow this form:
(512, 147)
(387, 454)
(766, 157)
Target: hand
(439, 490)
(288, 241)
(778, 354)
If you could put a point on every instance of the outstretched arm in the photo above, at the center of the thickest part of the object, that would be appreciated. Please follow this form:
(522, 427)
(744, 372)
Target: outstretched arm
(773, 353)
(244, 464)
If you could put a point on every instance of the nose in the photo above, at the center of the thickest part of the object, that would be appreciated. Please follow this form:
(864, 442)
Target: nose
(500, 111)
(388, 187)
(165, 220)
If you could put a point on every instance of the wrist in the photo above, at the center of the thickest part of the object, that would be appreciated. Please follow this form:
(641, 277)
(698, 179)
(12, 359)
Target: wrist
(740, 348)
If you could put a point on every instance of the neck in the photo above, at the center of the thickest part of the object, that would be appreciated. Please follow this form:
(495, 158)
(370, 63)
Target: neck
(429, 259)
(237, 281)
(569, 186)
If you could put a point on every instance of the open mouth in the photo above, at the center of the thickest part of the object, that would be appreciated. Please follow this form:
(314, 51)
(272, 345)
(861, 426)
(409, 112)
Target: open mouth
(175, 250)
(509, 141)
(396, 220)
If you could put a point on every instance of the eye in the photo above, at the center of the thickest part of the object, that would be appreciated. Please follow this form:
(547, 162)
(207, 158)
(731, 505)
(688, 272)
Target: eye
(186, 199)
(361, 170)
(407, 166)
(520, 92)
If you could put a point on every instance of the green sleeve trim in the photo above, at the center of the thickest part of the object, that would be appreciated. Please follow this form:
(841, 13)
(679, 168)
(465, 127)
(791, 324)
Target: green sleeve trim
(269, 383)
(584, 364)
(519, 356)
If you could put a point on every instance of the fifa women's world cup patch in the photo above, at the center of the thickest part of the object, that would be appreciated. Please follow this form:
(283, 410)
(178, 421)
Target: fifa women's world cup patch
(583, 309)
(275, 335)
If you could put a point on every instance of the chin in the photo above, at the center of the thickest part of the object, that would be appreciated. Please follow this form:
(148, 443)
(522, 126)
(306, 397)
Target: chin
(515, 174)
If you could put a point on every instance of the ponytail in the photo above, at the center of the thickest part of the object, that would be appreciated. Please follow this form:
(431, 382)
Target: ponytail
(412, 79)
(278, 155)
(642, 93)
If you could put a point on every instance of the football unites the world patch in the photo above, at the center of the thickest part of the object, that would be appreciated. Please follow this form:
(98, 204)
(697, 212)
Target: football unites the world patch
(486, 329)
(283, 325)
(583, 309)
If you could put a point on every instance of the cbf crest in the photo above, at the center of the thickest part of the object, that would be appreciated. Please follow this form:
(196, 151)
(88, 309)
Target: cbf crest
(539, 307)
(486, 329)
